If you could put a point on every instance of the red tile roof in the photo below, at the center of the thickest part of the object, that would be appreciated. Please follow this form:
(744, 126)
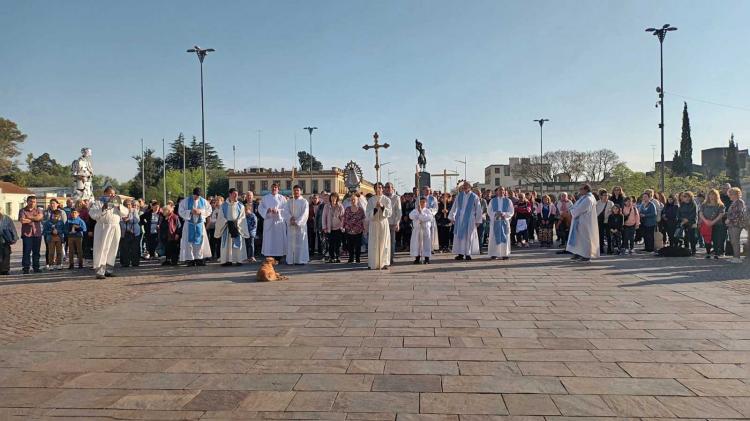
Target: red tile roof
(11, 188)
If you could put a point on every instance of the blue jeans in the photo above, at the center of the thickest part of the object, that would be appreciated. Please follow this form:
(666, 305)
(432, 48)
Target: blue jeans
(250, 247)
(31, 248)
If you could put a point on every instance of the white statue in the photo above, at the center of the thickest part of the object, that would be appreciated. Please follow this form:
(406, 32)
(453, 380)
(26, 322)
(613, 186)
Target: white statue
(82, 171)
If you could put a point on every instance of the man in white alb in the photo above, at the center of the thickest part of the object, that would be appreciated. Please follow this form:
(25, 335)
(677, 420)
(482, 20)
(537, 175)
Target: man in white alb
(466, 215)
(296, 211)
(274, 226)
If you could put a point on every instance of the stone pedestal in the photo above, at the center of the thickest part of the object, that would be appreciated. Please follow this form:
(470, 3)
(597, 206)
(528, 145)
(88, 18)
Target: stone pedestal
(422, 179)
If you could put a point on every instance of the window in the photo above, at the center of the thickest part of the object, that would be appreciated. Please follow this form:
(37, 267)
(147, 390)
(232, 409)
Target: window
(507, 171)
(288, 184)
(264, 185)
(314, 186)
(497, 181)
(239, 185)
(302, 185)
(327, 185)
(251, 186)
(497, 170)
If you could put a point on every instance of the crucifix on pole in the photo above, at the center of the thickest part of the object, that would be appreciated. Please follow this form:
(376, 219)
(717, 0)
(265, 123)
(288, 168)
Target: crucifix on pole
(445, 176)
(377, 147)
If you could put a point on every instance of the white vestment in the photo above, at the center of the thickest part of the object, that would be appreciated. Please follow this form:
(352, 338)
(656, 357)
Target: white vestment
(500, 211)
(297, 249)
(106, 234)
(465, 214)
(271, 208)
(432, 206)
(196, 250)
(379, 234)
(421, 233)
(583, 239)
(232, 249)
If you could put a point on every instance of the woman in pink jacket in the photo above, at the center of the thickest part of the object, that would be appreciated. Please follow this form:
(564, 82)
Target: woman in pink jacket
(333, 222)
(632, 220)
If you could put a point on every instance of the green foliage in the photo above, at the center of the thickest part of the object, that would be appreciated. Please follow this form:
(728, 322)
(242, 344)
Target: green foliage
(193, 155)
(733, 163)
(218, 183)
(10, 139)
(677, 167)
(635, 182)
(304, 162)
(153, 173)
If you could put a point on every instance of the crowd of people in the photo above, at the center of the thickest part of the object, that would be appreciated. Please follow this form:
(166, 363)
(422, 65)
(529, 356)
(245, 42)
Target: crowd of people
(238, 229)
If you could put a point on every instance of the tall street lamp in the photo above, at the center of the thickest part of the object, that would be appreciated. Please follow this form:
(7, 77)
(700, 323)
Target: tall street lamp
(310, 131)
(202, 53)
(541, 150)
(661, 34)
(463, 162)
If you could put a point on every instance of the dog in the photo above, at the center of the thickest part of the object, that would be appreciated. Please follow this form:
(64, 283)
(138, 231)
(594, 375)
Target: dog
(267, 273)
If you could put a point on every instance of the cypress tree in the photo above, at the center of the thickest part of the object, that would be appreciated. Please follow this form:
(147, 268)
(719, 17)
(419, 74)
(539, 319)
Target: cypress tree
(686, 144)
(733, 162)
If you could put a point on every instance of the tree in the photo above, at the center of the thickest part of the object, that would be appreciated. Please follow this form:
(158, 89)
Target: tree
(677, 167)
(304, 162)
(153, 173)
(686, 145)
(733, 163)
(193, 155)
(598, 164)
(10, 138)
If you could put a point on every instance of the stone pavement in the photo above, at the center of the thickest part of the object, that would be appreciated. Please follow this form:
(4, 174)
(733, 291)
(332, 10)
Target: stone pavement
(533, 338)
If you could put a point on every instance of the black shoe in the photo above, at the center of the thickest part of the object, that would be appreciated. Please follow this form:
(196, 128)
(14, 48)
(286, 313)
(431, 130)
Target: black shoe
(427, 260)
(227, 264)
(166, 263)
(385, 267)
(493, 257)
(238, 264)
(100, 276)
(584, 259)
(459, 257)
(357, 261)
(416, 261)
(200, 263)
(25, 271)
(562, 252)
(506, 257)
(468, 258)
(109, 274)
(190, 263)
(4, 273)
(350, 261)
(37, 271)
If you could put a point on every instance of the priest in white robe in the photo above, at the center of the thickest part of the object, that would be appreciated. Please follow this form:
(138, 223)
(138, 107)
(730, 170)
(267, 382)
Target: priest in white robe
(296, 211)
(271, 208)
(107, 212)
(194, 245)
(232, 229)
(432, 206)
(378, 233)
(466, 215)
(500, 212)
(583, 240)
(421, 233)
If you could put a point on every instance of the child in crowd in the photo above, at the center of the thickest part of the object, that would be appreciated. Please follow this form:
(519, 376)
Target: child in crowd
(615, 224)
(75, 229)
(631, 222)
(252, 228)
(54, 234)
(421, 234)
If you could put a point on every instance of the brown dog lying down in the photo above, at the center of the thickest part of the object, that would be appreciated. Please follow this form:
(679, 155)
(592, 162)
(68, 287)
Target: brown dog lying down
(267, 273)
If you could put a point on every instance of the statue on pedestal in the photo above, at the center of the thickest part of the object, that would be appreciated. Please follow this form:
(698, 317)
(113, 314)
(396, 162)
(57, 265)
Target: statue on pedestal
(422, 158)
(82, 171)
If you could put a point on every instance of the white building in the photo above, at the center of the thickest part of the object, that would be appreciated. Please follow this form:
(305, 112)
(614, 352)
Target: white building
(497, 175)
(13, 198)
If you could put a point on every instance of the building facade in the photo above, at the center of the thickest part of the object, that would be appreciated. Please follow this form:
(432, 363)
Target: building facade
(259, 181)
(497, 175)
(13, 198)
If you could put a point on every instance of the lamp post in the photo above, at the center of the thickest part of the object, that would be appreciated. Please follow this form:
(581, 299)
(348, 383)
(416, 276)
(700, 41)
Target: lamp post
(164, 170)
(143, 172)
(377, 147)
(661, 34)
(463, 162)
(541, 151)
(202, 53)
(310, 131)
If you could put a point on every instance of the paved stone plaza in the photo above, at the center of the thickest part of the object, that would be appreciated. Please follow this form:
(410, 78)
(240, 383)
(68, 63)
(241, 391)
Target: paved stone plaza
(534, 338)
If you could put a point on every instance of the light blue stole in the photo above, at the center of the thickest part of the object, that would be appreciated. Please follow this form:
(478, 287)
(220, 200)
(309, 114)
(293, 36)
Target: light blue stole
(195, 229)
(462, 223)
(499, 227)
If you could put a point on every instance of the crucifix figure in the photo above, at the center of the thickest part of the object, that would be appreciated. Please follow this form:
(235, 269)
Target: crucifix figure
(376, 146)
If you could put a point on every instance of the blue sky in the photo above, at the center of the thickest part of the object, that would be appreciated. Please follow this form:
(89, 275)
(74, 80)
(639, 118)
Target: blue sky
(466, 78)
